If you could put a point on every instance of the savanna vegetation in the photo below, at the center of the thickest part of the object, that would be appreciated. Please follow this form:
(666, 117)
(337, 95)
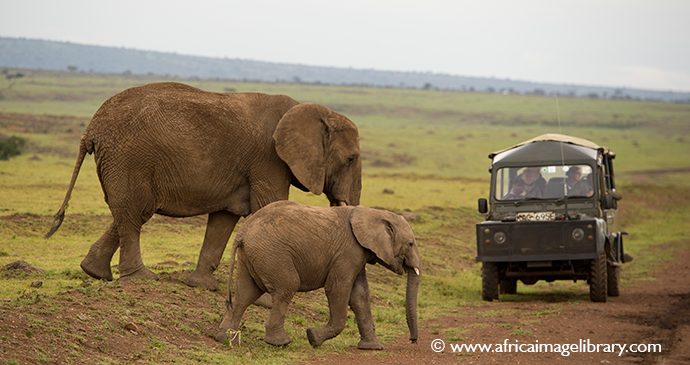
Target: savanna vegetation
(425, 155)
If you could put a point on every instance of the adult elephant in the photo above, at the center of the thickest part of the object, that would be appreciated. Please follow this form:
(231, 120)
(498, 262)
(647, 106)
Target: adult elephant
(175, 150)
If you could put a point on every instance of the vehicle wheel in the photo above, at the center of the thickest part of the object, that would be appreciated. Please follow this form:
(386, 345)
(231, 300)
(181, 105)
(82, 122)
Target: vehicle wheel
(508, 286)
(530, 281)
(597, 279)
(613, 274)
(489, 281)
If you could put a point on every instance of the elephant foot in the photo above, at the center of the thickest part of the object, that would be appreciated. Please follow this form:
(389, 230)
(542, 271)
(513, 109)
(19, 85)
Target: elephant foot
(206, 281)
(369, 345)
(315, 340)
(264, 301)
(221, 336)
(277, 338)
(141, 274)
(97, 269)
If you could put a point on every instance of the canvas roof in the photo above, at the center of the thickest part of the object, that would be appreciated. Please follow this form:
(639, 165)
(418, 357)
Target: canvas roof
(554, 137)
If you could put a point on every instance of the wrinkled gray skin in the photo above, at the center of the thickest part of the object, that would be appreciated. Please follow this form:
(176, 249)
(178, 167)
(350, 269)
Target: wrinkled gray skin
(287, 247)
(175, 150)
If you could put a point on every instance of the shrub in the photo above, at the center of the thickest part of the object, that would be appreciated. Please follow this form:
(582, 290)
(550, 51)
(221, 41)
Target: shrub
(11, 146)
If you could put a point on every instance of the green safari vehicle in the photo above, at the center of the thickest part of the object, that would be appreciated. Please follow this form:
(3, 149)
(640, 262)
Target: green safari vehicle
(552, 201)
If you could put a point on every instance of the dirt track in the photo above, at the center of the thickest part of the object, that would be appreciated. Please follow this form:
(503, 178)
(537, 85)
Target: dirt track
(655, 311)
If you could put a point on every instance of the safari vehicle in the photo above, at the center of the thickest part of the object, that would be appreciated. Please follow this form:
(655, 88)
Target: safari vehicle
(552, 200)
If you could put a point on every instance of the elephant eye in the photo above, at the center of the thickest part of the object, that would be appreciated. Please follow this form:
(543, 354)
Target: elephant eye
(411, 243)
(351, 160)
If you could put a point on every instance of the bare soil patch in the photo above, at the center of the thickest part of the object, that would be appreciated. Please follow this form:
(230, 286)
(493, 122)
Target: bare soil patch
(406, 112)
(19, 268)
(377, 159)
(127, 322)
(42, 124)
(32, 224)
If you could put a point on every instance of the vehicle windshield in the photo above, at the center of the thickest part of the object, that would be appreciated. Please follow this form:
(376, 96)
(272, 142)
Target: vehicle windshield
(544, 182)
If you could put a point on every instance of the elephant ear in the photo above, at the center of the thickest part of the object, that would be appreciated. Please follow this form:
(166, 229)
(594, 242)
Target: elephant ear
(300, 143)
(374, 231)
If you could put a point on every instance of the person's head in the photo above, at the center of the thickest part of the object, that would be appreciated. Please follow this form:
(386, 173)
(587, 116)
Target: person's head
(530, 175)
(518, 189)
(574, 173)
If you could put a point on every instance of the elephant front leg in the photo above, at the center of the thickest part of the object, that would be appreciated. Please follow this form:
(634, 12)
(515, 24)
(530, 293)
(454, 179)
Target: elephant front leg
(218, 230)
(338, 294)
(97, 261)
(360, 304)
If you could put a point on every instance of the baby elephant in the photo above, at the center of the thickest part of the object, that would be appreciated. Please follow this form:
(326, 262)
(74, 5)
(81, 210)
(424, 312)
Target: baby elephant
(286, 247)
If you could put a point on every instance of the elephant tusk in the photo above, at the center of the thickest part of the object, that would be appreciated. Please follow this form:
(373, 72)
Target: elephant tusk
(342, 204)
(416, 271)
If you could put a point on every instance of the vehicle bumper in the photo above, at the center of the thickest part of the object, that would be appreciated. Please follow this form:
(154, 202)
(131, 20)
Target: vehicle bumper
(540, 241)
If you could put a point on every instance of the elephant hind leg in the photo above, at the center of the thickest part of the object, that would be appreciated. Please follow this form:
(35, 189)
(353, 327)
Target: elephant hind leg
(275, 326)
(247, 292)
(129, 230)
(264, 301)
(97, 261)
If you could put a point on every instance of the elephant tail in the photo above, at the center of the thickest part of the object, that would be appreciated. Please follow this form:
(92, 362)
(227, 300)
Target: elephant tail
(237, 243)
(84, 148)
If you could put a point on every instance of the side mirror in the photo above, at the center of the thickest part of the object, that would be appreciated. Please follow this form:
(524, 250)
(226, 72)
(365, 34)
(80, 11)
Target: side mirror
(616, 195)
(609, 202)
(482, 206)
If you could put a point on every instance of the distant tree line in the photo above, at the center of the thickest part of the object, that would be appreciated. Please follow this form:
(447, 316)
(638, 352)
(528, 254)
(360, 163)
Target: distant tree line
(61, 56)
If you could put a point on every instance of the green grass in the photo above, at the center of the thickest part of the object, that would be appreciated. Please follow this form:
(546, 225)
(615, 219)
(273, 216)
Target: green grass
(429, 147)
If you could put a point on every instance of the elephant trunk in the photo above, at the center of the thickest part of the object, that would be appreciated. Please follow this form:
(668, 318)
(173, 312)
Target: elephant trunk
(413, 280)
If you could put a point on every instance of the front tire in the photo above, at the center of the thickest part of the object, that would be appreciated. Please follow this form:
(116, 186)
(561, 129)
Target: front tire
(489, 281)
(508, 286)
(613, 270)
(598, 279)
(613, 274)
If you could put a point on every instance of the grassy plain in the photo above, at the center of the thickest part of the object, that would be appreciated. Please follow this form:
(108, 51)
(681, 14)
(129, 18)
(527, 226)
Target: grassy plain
(429, 147)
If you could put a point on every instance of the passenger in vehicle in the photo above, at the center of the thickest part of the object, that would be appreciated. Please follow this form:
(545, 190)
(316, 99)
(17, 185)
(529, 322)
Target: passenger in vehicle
(577, 184)
(530, 184)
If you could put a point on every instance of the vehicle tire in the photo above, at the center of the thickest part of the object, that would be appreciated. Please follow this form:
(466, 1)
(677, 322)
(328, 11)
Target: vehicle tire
(613, 271)
(508, 286)
(489, 281)
(597, 279)
(613, 274)
(530, 281)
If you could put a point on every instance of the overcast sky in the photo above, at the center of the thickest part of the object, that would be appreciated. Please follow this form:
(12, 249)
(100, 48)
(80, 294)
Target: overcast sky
(632, 43)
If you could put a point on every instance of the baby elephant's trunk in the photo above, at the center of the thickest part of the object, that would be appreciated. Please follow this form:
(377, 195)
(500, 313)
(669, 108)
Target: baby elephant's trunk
(411, 302)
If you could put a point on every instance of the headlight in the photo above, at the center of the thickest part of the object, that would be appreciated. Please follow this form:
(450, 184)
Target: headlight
(500, 237)
(578, 234)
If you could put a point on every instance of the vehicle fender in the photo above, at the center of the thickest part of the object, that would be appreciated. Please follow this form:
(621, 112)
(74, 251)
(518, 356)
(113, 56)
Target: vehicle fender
(618, 239)
(601, 235)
